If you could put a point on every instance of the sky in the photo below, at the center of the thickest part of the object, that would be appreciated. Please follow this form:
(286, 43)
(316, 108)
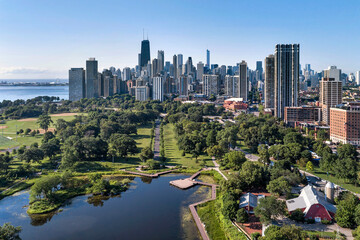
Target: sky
(43, 39)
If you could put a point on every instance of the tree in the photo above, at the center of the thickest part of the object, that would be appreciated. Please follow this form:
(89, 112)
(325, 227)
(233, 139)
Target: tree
(345, 213)
(32, 154)
(51, 148)
(269, 209)
(233, 160)
(230, 205)
(252, 175)
(347, 151)
(122, 145)
(44, 122)
(356, 233)
(279, 186)
(293, 137)
(346, 168)
(297, 215)
(286, 232)
(44, 187)
(152, 164)
(264, 154)
(217, 151)
(9, 232)
(146, 153)
(309, 166)
(242, 216)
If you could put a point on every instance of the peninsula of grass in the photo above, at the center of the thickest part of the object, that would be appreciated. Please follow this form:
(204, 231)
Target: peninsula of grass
(174, 155)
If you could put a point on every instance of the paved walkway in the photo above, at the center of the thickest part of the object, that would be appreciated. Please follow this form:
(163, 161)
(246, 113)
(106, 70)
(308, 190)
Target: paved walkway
(157, 141)
(216, 168)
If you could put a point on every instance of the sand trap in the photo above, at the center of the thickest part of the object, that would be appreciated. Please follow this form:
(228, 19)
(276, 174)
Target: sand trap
(27, 120)
(63, 114)
(3, 127)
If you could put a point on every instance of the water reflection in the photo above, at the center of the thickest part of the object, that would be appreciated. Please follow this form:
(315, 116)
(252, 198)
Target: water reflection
(158, 209)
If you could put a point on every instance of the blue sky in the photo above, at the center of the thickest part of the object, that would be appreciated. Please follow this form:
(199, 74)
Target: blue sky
(44, 38)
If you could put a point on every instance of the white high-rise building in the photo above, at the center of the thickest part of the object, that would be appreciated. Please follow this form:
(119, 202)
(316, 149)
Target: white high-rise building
(210, 84)
(232, 86)
(126, 74)
(333, 72)
(357, 77)
(158, 88)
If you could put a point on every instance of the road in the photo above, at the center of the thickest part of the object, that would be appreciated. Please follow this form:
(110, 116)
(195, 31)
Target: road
(157, 141)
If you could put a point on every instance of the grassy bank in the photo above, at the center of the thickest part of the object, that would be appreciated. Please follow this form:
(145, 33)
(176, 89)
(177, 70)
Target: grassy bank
(174, 155)
(216, 225)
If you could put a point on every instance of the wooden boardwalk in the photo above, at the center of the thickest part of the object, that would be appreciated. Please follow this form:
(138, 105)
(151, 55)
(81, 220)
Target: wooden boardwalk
(189, 182)
(155, 175)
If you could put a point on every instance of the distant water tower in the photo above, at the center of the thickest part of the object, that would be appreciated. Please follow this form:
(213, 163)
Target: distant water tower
(329, 192)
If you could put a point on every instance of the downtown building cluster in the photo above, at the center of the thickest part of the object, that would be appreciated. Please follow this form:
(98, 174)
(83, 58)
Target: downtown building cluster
(282, 86)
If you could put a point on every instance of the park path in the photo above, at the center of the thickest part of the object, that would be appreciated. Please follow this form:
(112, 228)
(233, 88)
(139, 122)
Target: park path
(157, 141)
(155, 175)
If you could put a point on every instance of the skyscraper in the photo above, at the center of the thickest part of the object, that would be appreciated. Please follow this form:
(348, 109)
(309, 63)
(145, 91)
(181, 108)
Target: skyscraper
(357, 77)
(175, 66)
(91, 77)
(76, 84)
(127, 74)
(287, 57)
(232, 86)
(269, 81)
(179, 60)
(183, 85)
(158, 88)
(333, 72)
(210, 84)
(145, 52)
(160, 61)
(200, 71)
(207, 58)
(243, 84)
(154, 69)
(189, 66)
(330, 96)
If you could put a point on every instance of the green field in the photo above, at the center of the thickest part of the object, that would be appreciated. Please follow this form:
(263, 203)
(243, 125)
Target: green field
(174, 155)
(15, 125)
(208, 216)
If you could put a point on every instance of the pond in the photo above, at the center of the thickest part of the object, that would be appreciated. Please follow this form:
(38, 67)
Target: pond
(150, 209)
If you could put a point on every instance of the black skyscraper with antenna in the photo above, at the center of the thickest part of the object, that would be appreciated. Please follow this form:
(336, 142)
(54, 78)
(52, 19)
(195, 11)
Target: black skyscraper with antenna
(145, 52)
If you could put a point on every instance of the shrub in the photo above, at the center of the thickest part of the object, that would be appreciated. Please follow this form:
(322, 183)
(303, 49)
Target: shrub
(255, 236)
(310, 221)
(297, 215)
(327, 222)
(242, 216)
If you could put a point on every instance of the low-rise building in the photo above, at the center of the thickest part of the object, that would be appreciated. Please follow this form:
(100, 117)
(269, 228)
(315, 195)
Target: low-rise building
(307, 114)
(312, 205)
(249, 201)
(235, 104)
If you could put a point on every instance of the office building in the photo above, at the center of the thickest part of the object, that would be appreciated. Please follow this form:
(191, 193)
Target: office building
(175, 66)
(287, 57)
(179, 60)
(142, 93)
(335, 73)
(259, 71)
(269, 93)
(183, 86)
(345, 123)
(330, 96)
(357, 77)
(231, 86)
(210, 85)
(243, 82)
(158, 88)
(76, 84)
(154, 67)
(126, 74)
(145, 53)
(200, 71)
(161, 59)
(207, 58)
(91, 78)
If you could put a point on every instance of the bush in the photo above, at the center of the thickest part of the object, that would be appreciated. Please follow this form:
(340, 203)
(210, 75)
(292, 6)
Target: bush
(326, 222)
(310, 221)
(242, 216)
(152, 164)
(297, 215)
(255, 236)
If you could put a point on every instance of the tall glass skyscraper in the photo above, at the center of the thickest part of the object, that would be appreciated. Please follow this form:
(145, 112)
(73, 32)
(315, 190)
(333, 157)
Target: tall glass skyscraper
(287, 58)
(207, 58)
(145, 52)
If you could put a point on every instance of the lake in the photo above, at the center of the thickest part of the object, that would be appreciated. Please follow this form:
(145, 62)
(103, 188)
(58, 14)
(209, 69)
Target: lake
(26, 92)
(150, 209)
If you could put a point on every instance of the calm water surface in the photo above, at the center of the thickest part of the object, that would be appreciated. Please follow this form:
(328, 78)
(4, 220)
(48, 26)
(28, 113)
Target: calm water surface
(26, 92)
(150, 209)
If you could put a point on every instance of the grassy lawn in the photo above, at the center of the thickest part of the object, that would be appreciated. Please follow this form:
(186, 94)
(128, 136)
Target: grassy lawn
(13, 125)
(174, 155)
(7, 143)
(331, 235)
(142, 140)
(322, 174)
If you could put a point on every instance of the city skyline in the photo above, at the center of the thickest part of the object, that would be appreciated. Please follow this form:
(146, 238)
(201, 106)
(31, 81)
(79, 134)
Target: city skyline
(36, 44)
